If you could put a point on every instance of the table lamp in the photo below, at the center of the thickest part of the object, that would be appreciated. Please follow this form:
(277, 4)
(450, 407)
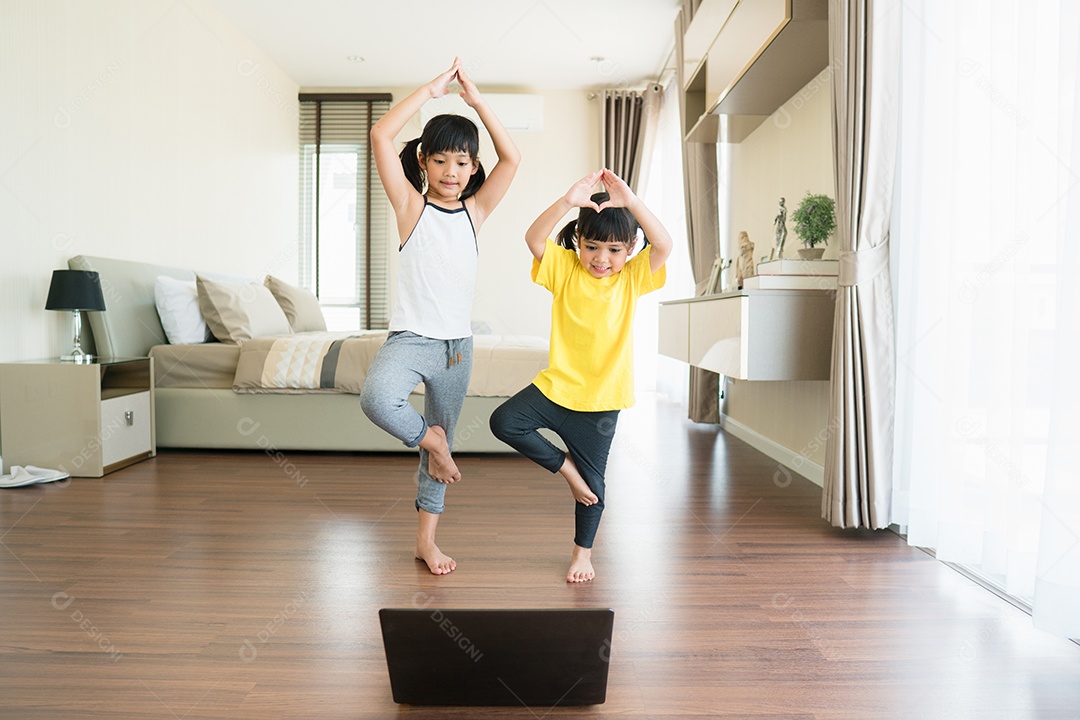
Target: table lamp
(75, 290)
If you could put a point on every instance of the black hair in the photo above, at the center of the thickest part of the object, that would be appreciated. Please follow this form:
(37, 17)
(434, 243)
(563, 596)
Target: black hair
(609, 225)
(444, 134)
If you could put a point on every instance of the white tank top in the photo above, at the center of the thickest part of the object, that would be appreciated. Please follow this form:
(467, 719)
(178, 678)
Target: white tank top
(437, 275)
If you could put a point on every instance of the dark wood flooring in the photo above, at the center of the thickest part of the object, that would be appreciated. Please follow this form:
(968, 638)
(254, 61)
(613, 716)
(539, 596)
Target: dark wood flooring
(241, 585)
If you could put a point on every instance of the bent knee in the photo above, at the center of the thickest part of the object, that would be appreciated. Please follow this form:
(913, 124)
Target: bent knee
(376, 404)
(369, 402)
(501, 423)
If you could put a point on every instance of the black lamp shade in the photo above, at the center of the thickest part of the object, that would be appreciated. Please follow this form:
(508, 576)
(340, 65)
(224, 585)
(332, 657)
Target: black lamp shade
(75, 290)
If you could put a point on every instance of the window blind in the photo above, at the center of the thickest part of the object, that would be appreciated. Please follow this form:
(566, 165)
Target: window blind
(343, 208)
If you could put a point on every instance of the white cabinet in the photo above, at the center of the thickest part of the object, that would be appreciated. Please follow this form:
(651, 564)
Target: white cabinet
(86, 419)
(752, 334)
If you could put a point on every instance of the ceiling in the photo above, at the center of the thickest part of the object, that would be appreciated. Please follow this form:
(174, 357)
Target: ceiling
(529, 44)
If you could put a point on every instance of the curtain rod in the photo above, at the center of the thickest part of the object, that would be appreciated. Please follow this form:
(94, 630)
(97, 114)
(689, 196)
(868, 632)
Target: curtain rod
(593, 94)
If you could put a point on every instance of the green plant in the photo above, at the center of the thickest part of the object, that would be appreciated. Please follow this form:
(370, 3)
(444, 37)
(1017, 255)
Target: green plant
(815, 219)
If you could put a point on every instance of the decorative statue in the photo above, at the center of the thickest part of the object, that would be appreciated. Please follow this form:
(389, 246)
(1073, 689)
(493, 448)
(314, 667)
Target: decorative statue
(780, 221)
(744, 266)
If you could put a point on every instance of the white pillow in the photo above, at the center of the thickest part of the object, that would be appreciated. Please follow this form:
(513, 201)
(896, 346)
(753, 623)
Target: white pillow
(178, 307)
(236, 312)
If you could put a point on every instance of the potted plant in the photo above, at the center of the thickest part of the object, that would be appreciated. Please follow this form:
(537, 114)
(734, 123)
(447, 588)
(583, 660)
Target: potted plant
(815, 221)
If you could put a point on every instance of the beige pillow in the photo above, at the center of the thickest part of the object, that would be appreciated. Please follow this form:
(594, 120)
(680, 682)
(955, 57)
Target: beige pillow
(300, 305)
(236, 312)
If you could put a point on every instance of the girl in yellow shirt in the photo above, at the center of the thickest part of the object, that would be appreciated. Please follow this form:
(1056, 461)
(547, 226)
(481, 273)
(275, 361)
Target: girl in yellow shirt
(590, 376)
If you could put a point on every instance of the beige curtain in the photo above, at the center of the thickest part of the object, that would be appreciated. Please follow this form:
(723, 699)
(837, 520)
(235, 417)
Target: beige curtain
(628, 129)
(700, 180)
(864, 45)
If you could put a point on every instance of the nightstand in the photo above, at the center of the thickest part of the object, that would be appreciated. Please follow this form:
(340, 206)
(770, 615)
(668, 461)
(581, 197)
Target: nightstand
(86, 419)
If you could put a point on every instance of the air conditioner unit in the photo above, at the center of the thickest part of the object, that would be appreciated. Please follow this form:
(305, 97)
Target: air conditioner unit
(518, 112)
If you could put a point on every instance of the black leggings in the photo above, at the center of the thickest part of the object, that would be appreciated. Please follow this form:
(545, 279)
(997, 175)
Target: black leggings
(587, 436)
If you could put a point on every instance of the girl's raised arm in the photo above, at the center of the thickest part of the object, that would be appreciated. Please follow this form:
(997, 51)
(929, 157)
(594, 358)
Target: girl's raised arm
(498, 179)
(579, 195)
(621, 195)
(401, 193)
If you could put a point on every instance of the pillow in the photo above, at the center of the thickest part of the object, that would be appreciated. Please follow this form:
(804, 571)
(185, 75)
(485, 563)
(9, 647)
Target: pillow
(236, 312)
(178, 307)
(300, 305)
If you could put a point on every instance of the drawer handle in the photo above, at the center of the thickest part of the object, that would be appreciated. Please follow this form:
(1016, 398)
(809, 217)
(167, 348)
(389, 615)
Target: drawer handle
(130, 417)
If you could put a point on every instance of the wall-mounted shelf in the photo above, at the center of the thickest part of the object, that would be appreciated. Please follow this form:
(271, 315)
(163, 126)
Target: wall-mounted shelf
(705, 25)
(697, 118)
(762, 53)
(752, 334)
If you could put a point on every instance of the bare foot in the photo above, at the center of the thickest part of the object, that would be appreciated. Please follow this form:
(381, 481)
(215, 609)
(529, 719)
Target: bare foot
(578, 487)
(439, 562)
(441, 465)
(581, 569)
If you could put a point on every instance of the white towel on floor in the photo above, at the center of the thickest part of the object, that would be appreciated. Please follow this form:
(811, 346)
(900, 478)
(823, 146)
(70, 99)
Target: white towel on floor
(30, 475)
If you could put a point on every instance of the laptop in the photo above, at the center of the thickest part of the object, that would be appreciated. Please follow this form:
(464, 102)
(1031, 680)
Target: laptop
(531, 658)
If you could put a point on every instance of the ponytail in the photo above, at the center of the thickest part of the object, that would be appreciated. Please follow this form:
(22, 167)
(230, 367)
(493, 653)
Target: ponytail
(475, 182)
(410, 163)
(567, 234)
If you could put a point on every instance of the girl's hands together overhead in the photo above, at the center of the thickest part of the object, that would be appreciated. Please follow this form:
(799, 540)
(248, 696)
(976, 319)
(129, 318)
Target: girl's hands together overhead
(468, 93)
(620, 194)
(440, 85)
(580, 193)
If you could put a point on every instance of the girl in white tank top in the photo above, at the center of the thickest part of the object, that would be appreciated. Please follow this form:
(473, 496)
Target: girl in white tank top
(441, 197)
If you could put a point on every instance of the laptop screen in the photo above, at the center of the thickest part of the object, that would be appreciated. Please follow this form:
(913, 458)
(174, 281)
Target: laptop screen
(531, 658)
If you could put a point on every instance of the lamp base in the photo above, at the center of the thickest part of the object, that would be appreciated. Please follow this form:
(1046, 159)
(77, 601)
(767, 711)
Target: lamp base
(77, 356)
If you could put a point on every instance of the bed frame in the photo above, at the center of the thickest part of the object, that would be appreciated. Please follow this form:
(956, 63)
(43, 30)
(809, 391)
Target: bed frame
(220, 418)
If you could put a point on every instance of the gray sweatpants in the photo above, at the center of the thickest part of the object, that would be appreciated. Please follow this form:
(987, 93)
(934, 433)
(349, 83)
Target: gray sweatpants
(404, 361)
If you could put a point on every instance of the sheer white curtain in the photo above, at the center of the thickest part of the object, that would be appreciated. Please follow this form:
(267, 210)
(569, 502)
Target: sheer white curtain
(987, 277)
(662, 192)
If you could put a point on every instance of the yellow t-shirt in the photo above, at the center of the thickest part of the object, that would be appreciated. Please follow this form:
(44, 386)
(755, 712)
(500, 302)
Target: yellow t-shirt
(591, 355)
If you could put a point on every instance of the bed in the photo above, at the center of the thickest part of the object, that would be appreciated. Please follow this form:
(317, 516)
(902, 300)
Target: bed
(198, 403)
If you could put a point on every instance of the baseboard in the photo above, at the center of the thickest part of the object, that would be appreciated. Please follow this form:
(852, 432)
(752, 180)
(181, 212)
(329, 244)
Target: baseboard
(788, 458)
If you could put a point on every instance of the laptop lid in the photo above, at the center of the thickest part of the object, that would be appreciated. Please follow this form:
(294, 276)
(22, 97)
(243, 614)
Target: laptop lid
(533, 658)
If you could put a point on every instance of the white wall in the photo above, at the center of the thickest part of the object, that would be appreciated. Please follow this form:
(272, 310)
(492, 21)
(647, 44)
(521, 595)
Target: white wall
(787, 156)
(148, 130)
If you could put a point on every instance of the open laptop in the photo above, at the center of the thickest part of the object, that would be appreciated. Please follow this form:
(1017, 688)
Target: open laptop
(532, 658)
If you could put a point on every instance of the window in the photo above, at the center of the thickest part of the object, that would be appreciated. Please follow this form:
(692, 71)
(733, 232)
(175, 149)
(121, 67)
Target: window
(343, 210)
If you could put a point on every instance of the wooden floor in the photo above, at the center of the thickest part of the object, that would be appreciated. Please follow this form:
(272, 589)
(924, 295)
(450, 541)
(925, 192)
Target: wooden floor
(242, 585)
